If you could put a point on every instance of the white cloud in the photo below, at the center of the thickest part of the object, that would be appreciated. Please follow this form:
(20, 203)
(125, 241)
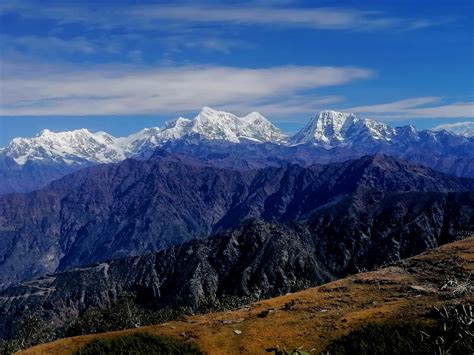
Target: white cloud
(261, 14)
(421, 107)
(45, 90)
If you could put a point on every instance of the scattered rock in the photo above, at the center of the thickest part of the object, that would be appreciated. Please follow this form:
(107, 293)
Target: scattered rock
(266, 312)
(245, 308)
(422, 289)
(231, 321)
(238, 332)
(288, 305)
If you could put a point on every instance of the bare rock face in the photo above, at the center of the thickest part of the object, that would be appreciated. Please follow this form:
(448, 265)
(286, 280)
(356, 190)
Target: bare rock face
(259, 258)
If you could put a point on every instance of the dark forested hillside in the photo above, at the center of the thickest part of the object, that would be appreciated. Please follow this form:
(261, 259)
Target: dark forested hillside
(137, 207)
(257, 259)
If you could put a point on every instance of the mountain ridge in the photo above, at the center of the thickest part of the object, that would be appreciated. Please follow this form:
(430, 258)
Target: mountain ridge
(328, 129)
(465, 129)
(250, 141)
(257, 259)
(101, 147)
(136, 206)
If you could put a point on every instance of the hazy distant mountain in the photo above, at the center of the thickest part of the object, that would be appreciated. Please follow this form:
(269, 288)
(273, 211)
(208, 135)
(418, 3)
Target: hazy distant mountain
(30, 163)
(136, 207)
(465, 129)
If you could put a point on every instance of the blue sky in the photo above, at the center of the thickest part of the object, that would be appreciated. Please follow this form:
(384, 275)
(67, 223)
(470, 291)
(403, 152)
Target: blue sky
(123, 65)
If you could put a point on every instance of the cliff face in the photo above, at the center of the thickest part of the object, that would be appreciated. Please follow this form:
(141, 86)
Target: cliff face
(258, 258)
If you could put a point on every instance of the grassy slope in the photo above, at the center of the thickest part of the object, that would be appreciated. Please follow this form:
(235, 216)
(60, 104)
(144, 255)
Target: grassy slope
(319, 314)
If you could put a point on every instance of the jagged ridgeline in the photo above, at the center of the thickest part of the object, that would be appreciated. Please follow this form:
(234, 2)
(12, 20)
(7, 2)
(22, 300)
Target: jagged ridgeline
(245, 142)
(275, 230)
(137, 207)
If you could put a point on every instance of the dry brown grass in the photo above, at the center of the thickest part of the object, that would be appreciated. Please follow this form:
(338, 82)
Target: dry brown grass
(317, 315)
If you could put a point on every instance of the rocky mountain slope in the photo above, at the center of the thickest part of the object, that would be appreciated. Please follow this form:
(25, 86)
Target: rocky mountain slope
(30, 163)
(407, 289)
(136, 207)
(312, 319)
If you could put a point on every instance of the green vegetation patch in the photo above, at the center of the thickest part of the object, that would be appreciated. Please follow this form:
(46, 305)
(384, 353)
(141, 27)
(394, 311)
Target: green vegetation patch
(453, 334)
(373, 339)
(139, 343)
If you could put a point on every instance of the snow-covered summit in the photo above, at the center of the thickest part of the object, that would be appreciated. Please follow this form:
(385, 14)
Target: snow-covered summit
(82, 146)
(256, 125)
(465, 129)
(70, 147)
(328, 129)
(332, 129)
(211, 124)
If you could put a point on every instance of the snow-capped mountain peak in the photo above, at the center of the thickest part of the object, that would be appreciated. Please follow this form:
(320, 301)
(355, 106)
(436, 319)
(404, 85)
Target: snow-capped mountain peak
(137, 142)
(220, 125)
(178, 122)
(325, 129)
(84, 147)
(465, 129)
(330, 129)
(70, 147)
(175, 129)
(258, 127)
(44, 132)
(216, 125)
(330, 125)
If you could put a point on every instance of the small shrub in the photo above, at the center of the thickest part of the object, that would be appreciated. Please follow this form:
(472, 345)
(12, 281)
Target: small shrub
(123, 314)
(33, 330)
(139, 343)
(225, 303)
(8, 347)
(456, 331)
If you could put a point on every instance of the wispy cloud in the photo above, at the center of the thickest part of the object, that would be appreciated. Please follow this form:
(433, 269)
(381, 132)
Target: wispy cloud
(256, 14)
(212, 44)
(140, 90)
(47, 44)
(134, 32)
(421, 107)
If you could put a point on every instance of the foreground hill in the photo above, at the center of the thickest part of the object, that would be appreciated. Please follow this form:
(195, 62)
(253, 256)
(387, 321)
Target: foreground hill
(403, 292)
(137, 207)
